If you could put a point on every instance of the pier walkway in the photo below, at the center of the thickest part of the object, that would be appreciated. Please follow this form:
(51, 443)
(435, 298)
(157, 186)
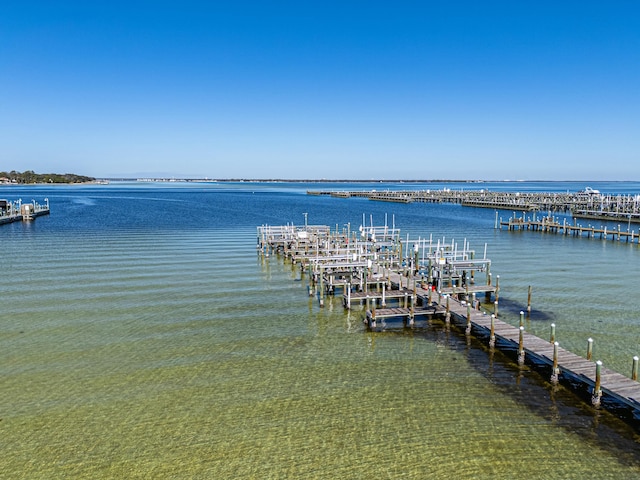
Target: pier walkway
(408, 279)
(584, 204)
(550, 224)
(17, 211)
(561, 363)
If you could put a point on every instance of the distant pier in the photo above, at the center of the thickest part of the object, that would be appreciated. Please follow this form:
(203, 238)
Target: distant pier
(585, 204)
(551, 224)
(397, 279)
(18, 211)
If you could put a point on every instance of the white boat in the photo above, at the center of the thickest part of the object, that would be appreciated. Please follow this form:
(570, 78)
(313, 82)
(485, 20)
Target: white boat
(591, 191)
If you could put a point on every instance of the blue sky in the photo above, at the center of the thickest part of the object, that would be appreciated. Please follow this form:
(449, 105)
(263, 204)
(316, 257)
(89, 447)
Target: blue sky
(322, 90)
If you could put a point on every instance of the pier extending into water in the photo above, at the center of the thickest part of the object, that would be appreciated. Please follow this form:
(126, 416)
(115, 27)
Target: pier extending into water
(15, 211)
(584, 204)
(396, 279)
(551, 224)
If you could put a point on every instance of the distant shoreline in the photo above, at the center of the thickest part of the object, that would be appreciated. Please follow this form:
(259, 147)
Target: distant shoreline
(325, 180)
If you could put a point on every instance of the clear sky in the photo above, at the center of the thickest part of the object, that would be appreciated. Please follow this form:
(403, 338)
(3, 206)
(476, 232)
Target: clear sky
(322, 90)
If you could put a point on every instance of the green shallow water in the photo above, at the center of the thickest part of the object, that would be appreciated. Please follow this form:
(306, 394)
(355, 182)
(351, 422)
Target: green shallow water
(175, 364)
(133, 351)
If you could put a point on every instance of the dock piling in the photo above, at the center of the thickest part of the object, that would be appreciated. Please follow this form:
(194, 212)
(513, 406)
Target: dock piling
(634, 369)
(521, 346)
(589, 348)
(492, 334)
(597, 392)
(556, 371)
(447, 316)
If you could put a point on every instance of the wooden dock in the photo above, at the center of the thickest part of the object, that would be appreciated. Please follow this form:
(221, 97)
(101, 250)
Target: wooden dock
(550, 224)
(599, 381)
(16, 211)
(409, 279)
(584, 204)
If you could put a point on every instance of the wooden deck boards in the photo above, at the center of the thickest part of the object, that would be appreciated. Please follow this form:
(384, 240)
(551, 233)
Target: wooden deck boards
(613, 383)
(400, 282)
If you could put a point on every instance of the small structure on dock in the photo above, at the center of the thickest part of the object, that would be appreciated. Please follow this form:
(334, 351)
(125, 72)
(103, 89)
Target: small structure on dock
(14, 211)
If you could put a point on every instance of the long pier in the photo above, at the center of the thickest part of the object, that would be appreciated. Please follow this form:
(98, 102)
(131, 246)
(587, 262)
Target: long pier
(16, 211)
(550, 224)
(401, 279)
(603, 384)
(585, 204)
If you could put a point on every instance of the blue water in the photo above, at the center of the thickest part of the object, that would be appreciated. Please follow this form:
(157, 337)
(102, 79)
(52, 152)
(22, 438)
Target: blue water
(141, 336)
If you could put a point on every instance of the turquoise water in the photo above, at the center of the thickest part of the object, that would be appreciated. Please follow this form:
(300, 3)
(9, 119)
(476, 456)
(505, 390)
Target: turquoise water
(141, 336)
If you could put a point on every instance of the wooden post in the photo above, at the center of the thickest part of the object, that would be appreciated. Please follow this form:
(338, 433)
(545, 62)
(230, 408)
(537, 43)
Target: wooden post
(529, 301)
(492, 335)
(521, 346)
(348, 305)
(589, 348)
(556, 371)
(487, 295)
(466, 285)
(472, 279)
(321, 292)
(447, 317)
(495, 308)
(497, 287)
(553, 333)
(411, 311)
(597, 392)
(522, 319)
(384, 301)
(634, 369)
(468, 330)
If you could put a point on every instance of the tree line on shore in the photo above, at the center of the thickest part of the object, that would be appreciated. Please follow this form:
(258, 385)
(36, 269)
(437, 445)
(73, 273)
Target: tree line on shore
(29, 176)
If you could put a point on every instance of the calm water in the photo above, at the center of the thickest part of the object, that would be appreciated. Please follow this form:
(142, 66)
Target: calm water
(141, 336)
